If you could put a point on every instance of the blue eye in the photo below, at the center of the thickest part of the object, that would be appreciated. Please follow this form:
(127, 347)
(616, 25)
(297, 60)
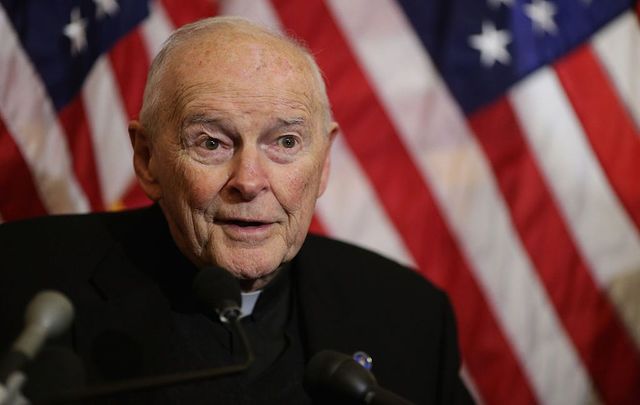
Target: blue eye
(288, 141)
(211, 143)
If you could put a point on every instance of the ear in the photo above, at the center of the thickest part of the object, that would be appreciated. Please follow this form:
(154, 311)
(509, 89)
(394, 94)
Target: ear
(326, 166)
(143, 161)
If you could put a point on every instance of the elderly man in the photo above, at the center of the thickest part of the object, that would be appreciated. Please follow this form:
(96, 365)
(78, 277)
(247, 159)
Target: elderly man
(233, 146)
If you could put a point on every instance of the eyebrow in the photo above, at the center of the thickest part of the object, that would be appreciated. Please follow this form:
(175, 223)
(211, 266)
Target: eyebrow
(300, 123)
(291, 121)
(206, 119)
(227, 125)
(203, 119)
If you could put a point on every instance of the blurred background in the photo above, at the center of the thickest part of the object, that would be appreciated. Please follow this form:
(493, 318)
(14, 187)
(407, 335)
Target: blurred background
(493, 145)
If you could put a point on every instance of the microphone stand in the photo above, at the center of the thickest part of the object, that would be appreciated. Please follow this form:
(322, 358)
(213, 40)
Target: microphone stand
(147, 383)
(11, 394)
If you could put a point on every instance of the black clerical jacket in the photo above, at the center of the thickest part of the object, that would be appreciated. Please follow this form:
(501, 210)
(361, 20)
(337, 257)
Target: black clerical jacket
(129, 282)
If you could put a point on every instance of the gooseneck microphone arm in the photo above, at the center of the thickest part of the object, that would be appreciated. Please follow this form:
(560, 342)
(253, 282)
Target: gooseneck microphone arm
(167, 380)
(219, 293)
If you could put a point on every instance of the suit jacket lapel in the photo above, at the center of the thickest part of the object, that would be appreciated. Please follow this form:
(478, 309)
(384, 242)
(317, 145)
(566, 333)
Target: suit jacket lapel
(132, 306)
(322, 318)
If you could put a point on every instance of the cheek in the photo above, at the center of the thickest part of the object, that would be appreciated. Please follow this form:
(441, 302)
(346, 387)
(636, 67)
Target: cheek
(196, 184)
(199, 190)
(299, 188)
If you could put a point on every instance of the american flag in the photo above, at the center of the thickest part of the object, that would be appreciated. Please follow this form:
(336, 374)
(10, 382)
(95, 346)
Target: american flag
(493, 145)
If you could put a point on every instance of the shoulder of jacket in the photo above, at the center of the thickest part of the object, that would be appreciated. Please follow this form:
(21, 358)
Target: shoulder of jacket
(66, 227)
(327, 260)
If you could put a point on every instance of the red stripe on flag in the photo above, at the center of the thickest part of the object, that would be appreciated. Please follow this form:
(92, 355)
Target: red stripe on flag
(316, 226)
(134, 197)
(74, 121)
(20, 199)
(130, 65)
(403, 193)
(131, 79)
(608, 125)
(585, 311)
(181, 13)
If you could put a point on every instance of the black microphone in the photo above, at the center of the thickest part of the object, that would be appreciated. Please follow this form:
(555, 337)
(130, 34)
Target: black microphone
(219, 293)
(48, 314)
(331, 375)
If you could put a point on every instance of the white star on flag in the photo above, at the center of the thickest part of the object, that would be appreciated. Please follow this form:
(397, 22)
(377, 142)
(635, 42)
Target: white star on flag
(541, 13)
(497, 3)
(106, 7)
(75, 31)
(492, 44)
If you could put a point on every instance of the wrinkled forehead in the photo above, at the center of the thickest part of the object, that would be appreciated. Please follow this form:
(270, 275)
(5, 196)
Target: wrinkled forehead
(242, 65)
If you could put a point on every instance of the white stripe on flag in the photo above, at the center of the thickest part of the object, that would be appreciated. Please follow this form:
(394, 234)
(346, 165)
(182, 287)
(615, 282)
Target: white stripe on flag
(259, 11)
(31, 119)
(350, 210)
(107, 122)
(617, 46)
(600, 225)
(471, 386)
(156, 28)
(436, 134)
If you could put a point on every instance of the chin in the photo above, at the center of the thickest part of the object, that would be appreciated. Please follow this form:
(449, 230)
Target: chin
(249, 262)
(245, 266)
(252, 279)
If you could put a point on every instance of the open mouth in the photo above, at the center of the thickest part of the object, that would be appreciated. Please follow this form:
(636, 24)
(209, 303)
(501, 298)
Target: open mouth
(241, 223)
(246, 224)
(245, 230)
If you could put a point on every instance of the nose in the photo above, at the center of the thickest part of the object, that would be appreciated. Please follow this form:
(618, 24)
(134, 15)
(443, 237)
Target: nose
(249, 177)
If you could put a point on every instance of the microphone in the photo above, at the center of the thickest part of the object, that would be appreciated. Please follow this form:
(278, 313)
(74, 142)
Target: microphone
(219, 293)
(48, 314)
(331, 375)
(57, 369)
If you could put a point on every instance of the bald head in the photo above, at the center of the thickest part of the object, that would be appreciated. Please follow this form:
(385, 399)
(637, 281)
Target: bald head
(234, 46)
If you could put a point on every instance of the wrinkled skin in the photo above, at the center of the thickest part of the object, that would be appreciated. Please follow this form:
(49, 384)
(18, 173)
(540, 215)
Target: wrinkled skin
(241, 153)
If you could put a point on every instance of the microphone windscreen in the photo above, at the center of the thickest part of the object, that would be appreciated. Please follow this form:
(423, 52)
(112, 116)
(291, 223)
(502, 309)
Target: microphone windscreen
(50, 310)
(48, 314)
(55, 370)
(218, 292)
(336, 376)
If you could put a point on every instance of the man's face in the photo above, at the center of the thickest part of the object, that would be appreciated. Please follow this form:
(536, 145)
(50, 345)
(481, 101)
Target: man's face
(239, 169)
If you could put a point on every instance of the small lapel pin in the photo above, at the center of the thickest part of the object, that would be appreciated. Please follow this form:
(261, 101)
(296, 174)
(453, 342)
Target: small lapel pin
(363, 359)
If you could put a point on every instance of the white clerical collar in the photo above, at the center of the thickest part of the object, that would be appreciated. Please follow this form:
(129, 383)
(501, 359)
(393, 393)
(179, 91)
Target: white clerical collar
(249, 300)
